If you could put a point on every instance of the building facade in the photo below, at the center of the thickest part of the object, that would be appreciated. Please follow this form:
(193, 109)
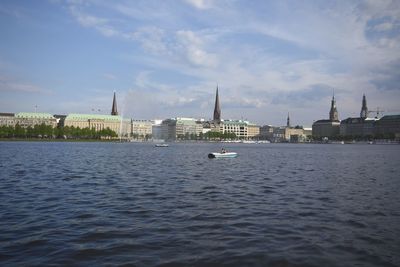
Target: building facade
(180, 128)
(27, 119)
(142, 128)
(358, 127)
(267, 132)
(7, 119)
(388, 127)
(242, 129)
(289, 134)
(122, 127)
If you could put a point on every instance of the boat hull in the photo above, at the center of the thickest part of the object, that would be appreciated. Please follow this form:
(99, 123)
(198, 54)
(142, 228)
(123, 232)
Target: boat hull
(222, 155)
(162, 145)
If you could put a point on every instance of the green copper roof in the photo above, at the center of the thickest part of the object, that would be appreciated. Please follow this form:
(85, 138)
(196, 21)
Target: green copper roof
(85, 117)
(34, 115)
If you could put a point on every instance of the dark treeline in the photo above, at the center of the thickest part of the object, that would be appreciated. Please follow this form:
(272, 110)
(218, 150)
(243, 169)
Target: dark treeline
(47, 131)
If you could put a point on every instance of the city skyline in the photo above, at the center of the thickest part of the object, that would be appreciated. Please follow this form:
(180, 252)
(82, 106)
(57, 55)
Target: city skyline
(166, 59)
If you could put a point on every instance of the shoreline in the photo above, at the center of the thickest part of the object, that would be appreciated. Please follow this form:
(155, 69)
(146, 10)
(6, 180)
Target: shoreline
(377, 142)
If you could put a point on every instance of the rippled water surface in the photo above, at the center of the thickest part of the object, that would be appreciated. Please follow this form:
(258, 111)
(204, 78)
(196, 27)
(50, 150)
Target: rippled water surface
(96, 204)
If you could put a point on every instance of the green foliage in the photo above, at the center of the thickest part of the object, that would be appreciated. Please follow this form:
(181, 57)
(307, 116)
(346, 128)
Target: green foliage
(6, 131)
(47, 131)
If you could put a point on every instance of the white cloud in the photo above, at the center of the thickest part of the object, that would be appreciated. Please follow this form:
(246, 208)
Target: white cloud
(151, 39)
(201, 4)
(192, 44)
(255, 52)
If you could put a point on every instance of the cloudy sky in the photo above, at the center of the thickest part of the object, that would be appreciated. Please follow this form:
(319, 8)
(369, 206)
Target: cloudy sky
(165, 58)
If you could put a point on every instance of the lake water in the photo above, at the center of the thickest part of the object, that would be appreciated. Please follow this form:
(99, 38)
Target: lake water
(133, 204)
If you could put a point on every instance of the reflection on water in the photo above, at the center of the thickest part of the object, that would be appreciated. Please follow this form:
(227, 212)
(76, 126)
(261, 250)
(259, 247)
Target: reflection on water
(275, 205)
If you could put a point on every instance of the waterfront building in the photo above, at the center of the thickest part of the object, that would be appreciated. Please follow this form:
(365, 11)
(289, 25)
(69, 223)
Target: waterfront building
(388, 127)
(179, 128)
(242, 129)
(267, 132)
(288, 134)
(122, 127)
(142, 128)
(327, 128)
(358, 127)
(27, 119)
(253, 131)
(295, 135)
(284, 133)
(7, 119)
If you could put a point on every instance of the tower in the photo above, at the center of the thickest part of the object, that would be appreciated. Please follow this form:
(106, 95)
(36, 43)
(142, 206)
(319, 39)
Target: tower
(288, 121)
(364, 109)
(114, 111)
(217, 109)
(333, 114)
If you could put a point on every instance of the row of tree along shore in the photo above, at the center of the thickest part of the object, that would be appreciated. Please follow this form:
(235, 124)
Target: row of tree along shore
(43, 131)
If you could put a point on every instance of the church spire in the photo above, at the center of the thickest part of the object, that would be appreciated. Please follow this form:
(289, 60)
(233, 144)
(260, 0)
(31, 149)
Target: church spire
(333, 113)
(217, 109)
(114, 111)
(288, 121)
(364, 109)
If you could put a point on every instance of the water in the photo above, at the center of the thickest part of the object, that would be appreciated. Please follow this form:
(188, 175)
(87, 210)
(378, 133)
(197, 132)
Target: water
(93, 204)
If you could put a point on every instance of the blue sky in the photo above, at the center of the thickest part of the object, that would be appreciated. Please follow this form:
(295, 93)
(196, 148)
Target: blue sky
(165, 58)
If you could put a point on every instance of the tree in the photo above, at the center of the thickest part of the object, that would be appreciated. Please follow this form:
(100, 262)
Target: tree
(19, 131)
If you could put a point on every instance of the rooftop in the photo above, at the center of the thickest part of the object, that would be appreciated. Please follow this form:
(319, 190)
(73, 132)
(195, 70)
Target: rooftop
(390, 118)
(238, 122)
(85, 117)
(34, 115)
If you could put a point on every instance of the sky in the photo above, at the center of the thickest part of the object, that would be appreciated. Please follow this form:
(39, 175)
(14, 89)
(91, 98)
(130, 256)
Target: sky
(165, 58)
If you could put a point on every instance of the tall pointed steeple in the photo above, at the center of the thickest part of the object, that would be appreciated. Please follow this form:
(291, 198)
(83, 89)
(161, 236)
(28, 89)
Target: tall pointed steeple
(364, 109)
(114, 111)
(288, 121)
(217, 109)
(333, 113)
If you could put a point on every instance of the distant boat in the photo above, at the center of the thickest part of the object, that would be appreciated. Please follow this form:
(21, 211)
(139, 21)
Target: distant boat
(162, 145)
(222, 155)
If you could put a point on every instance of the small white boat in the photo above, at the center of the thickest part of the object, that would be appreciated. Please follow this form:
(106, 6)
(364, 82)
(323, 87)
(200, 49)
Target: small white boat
(222, 155)
(162, 145)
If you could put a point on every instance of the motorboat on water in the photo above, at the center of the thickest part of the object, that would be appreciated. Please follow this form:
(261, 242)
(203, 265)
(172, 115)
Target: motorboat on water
(162, 145)
(222, 155)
